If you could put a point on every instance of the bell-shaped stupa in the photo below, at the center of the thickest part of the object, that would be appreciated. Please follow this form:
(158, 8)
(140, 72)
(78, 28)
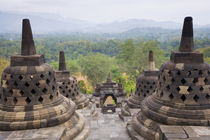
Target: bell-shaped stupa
(146, 84)
(182, 96)
(68, 85)
(30, 101)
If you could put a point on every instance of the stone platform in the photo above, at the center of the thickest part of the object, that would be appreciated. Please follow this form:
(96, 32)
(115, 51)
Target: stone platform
(50, 133)
(105, 126)
(184, 132)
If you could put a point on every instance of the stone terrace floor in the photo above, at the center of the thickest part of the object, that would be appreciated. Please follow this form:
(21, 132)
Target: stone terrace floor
(106, 126)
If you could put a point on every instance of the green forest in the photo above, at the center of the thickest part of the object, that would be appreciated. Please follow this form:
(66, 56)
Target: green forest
(95, 58)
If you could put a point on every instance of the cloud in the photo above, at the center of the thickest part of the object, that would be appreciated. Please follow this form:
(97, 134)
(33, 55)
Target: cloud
(111, 10)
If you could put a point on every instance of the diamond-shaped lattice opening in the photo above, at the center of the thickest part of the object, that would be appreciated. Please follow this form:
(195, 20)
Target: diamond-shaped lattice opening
(44, 90)
(69, 90)
(178, 89)
(137, 89)
(48, 81)
(72, 86)
(168, 87)
(67, 96)
(75, 89)
(178, 73)
(10, 91)
(164, 78)
(201, 88)
(147, 91)
(145, 95)
(20, 77)
(40, 99)
(205, 80)
(11, 76)
(5, 99)
(7, 83)
(196, 98)
(22, 92)
(51, 97)
(63, 91)
(141, 90)
(153, 83)
(150, 87)
(33, 91)
(60, 87)
(169, 72)
(15, 84)
(27, 84)
(183, 97)
(15, 100)
(207, 96)
(37, 84)
(53, 88)
(195, 80)
(189, 89)
(69, 82)
(200, 72)
(171, 96)
(189, 73)
(66, 87)
(63, 83)
(147, 83)
(161, 94)
(42, 75)
(183, 81)
(28, 100)
(172, 80)
(50, 73)
(73, 94)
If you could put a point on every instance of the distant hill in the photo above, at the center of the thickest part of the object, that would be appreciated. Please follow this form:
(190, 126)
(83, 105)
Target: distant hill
(49, 23)
(43, 23)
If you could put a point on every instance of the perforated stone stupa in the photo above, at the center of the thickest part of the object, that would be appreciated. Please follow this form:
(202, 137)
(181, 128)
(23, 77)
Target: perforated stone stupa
(31, 107)
(182, 96)
(68, 85)
(146, 84)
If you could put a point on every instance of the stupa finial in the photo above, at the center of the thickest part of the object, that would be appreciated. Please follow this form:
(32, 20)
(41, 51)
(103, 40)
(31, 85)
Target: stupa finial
(151, 58)
(27, 44)
(62, 62)
(187, 43)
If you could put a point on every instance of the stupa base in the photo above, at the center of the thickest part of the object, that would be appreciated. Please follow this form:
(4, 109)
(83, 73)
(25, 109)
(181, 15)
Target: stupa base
(81, 101)
(134, 101)
(74, 129)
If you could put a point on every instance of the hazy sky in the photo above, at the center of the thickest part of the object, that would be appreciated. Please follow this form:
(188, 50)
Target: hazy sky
(100, 11)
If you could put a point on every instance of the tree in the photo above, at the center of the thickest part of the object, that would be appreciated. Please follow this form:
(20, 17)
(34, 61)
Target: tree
(95, 66)
(3, 64)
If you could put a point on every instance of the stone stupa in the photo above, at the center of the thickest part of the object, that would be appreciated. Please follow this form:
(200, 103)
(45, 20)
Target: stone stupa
(146, 84)
(182, 96)
(68, 85)
(31, 107)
